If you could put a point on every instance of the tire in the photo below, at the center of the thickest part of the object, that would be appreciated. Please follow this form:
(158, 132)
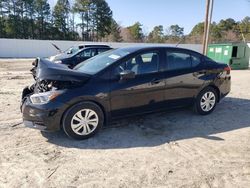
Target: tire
(83, 120)
(206, 101)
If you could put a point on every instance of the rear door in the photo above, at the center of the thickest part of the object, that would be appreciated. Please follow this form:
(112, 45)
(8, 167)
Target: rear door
(143, 93)
(183, 77)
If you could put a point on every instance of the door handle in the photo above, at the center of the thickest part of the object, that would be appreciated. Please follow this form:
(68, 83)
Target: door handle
(155, 81)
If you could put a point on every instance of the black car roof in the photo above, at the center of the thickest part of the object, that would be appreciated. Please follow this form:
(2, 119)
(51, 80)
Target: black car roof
(132, 49)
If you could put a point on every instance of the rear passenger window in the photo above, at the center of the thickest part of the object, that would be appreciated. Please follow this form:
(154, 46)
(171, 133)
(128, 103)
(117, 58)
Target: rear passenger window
(195, 61)
(178, 60)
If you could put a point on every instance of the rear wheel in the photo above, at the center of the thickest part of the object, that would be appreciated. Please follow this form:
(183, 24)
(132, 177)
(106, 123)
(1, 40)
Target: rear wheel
(83, 120)
(206, 101)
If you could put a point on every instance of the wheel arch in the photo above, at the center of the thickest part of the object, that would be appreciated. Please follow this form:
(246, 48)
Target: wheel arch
(105, 114)
(215, 88)
(217, 91)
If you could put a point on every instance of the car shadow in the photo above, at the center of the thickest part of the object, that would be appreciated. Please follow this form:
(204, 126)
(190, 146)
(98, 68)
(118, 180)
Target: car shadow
(165, 127)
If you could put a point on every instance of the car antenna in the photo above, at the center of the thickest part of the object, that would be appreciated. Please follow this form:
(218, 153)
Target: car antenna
(56, 47)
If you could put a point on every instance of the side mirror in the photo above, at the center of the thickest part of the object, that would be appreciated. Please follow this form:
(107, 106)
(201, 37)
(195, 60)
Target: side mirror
(127, 74)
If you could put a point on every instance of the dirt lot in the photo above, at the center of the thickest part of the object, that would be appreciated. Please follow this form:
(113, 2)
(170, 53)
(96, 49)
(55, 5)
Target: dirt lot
(177, 149)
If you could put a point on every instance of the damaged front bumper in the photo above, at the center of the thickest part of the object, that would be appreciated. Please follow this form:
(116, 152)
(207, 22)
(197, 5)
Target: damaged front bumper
(43, 103)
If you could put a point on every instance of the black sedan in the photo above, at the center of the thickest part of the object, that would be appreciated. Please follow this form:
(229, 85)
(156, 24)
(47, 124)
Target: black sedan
(119, 83)
(72, 58)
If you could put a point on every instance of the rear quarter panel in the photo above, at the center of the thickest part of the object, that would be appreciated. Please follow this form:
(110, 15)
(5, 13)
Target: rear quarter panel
(216, 77)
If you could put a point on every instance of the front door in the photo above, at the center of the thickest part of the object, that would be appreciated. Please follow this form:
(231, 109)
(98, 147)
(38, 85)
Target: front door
(143, 93)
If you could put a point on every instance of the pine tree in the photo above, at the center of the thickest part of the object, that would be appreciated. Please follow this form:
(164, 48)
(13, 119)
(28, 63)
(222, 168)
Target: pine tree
(82, 7)
(30, 6)
(136, 32)
(157, 35)
(42, 9)
(103, 18)
(60, 15)
(2, 18)
(115, 35)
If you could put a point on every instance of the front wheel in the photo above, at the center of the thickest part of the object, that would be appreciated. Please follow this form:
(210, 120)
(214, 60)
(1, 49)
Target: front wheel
(206, 101)
(83, 120)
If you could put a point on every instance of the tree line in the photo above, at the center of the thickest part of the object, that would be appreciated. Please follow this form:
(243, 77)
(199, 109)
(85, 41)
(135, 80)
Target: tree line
(92, 20)
(34, 19)
(226, 30)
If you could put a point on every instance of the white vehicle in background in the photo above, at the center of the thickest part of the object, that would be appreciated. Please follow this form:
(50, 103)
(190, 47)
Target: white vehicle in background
(73, 50)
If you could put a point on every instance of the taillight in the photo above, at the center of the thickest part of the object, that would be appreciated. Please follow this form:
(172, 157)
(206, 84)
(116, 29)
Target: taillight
(227, 69)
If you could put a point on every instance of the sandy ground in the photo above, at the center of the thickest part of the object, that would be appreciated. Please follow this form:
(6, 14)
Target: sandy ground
(170, 149)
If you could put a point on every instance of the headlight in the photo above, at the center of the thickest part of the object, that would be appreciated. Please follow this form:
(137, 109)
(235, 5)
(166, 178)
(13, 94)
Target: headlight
(58, 61)
(43, 98)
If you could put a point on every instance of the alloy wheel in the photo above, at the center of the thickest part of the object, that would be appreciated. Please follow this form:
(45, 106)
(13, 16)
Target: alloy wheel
(84, 122)
(208, 101)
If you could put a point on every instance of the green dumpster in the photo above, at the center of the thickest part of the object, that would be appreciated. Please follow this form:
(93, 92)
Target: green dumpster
(236, 55)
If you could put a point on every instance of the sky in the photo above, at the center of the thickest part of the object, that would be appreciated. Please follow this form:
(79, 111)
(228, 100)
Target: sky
(185, 13)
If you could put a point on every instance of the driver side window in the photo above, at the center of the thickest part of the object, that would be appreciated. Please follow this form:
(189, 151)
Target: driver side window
(141, 64)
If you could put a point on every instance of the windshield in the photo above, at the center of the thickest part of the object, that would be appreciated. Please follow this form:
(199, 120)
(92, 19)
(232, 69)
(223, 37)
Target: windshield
(101, 61)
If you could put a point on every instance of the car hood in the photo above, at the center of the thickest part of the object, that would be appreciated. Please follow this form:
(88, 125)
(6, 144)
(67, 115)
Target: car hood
(47, 70)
